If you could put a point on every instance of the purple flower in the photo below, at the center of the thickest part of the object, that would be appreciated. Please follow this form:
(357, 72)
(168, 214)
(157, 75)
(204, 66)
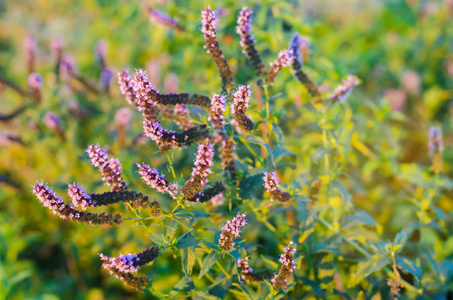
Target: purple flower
(56, 204)
(146, 94)
(436, 144)
(101, 49)
(154, 179)
(246, 271)
(156, 16)
(343, 91)
(247, 41)
(241, 99)
(280, 280)
(271, 185)
(218, 199)
(29, 44)
(78, 196)
(67, 69)
(217, 110)
(126, 86)
(110, 168)
(123, 117)
(285, 59)
(231, 230)
(209, 27)
(52, 121)
(106, 78)
(198, 178)
(57, 47)
(35, 81)
(129, 263)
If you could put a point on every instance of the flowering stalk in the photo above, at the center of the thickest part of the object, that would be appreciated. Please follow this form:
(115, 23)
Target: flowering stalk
(217, 111)
(106, 79)
(248, 274)
(344, 90)
(179, 114)
(55, 203)
(29, 44)
(218, 199)
(288, 266)
(109, 168)
(127, 86)
(35, 86)
(122, 267)
(167, 139)
(101, 51)
(122, 119)
(248, 42)
(271, 185)
(156, 16)
(240, 105)
(53, 122)
(295, 45)
(57, 48)
(285, 59)
(200, 172)
(209, 194)
(436, 147)
(209, 27)
(231, 230)
(156, 181)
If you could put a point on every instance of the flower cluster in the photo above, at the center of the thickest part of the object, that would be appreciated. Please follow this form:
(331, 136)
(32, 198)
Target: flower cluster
(288, 266)
(247, 41)
(295, 46)
(285, 59)
(29, 44)
(240, 105)
(145, 93)
(156, 181)
(159, 17)
(55, 203)
(57, 48)
(126, 86)
(217, 110)
(35, 85)
(243, 264)
(122, 266)
(79, 197)
(435, 140)
(167, 139)
(53, 122)
(231, 230)
(208, 194)
(202, 168)
(343, 91)
(218, 199)
(271, 185)
(209, 27)
(110, 168)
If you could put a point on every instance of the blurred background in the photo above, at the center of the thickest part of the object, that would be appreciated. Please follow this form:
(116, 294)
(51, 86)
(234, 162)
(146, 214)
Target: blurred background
(402, 51)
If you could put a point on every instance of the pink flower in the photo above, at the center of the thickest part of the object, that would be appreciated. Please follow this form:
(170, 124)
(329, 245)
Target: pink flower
(231, 230)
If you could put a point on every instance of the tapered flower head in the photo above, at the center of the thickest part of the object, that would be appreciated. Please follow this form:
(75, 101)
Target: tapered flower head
(56, 204)
(272, 187)
(106, 78)
(126, 86)
(217, 110)
(78, 196)
(435, 140)
(241, 99)
(231, 230)
(146, 93)
(208, 27)
(344, 90)
(285, 59)
(34, 81)
(52, 121)
(202, 168)
(57, 47)
(156, 180)
(29, 44)
(288, 266)
(109, 168)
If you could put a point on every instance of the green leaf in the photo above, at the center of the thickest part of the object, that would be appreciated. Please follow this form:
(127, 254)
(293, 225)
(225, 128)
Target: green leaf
(347, 198)
(407, 265)
(187, 260)
(187, 240)
(368, 267)
(360, 217)
(270, 263)
(207, 263)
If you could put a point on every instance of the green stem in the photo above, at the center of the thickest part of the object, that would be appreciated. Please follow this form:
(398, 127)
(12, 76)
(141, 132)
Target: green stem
(171, 167)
